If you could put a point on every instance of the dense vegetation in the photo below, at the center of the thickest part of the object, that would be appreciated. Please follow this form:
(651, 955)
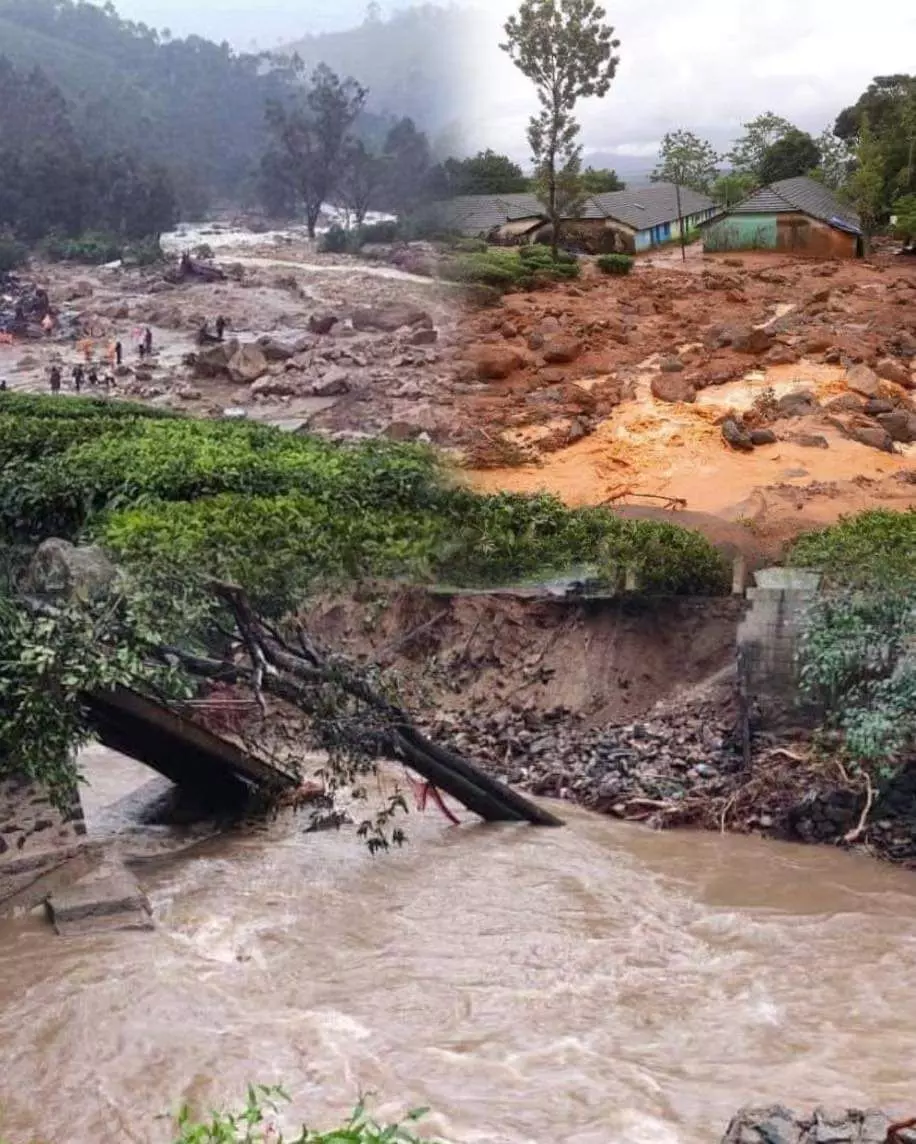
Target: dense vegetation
(858, 657)
(278, 511)
(519, 268)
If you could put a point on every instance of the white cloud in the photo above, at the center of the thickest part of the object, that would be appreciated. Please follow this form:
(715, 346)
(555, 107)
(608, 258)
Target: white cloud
(709, 66)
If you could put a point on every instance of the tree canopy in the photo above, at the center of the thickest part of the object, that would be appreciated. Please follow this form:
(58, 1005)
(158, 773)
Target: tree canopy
(794, 153)
(567, 50)
(486, 173)
(686, 159)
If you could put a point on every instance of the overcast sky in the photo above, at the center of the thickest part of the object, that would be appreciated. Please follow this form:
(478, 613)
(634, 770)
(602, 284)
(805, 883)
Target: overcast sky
(707, 65)
(710, 65)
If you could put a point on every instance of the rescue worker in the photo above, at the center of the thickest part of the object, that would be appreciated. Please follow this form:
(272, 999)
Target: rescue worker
(54, 379)
(148, 341)
(79, 375)
(119, 352)
(220, 327)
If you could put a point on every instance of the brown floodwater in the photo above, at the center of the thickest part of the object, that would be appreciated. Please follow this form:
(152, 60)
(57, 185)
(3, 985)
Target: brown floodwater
(595, 984)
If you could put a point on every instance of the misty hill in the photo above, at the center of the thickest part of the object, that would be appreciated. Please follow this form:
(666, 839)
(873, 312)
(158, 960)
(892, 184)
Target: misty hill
(413, 63)
(193, 105)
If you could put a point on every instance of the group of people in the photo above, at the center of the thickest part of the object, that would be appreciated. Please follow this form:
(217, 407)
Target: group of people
(81, 376)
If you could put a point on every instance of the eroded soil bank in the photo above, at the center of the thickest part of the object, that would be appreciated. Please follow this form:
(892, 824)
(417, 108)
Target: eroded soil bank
(626, 707)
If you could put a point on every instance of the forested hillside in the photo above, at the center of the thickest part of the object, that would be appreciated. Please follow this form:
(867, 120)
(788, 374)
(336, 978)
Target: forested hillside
(414, 64)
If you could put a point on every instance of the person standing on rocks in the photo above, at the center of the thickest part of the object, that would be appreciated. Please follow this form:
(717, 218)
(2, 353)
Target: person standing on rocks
(119, 352)
(93, 376)
(54, 379)
(220, 327)
(78, 376)
(147, 341)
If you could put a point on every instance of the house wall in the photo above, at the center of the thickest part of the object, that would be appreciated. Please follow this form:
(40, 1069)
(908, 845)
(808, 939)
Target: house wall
(741, 232)
(670, 231)
(791, 233)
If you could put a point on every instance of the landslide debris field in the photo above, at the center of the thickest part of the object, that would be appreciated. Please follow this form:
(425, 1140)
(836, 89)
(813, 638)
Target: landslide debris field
(762, 390)
(617, 389)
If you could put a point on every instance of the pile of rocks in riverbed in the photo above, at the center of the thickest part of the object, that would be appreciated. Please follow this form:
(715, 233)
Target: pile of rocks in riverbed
(678, 754)
(778, 1125)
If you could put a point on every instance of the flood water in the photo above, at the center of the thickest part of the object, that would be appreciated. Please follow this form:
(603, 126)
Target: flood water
(597, 984)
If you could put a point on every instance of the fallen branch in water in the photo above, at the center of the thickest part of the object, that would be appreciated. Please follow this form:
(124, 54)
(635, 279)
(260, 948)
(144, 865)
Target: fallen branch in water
(894, 1130)
(855, 834)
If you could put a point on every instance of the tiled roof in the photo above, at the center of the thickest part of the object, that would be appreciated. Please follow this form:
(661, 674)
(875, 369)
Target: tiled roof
(645, 207)
(479, 214)
(799, 194)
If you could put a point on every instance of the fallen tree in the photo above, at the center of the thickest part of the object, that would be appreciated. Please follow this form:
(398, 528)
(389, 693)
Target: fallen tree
(366, 722)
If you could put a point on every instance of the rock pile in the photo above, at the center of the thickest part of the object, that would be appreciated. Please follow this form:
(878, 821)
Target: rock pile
(778, 1125)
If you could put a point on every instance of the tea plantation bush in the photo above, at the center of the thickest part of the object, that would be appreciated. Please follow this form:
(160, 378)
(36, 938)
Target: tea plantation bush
(614, 263)
(872, 548)
(277, 511)
(521, 268)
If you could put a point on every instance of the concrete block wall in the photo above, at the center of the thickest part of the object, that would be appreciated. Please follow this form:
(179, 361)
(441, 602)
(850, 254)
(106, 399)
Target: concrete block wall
(768, 644)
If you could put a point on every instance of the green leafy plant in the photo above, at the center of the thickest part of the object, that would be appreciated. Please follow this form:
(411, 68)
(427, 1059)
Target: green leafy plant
(258, 1123)
(614, 263)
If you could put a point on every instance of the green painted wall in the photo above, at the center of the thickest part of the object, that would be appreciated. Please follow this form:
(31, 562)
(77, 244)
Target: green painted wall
(741, 232)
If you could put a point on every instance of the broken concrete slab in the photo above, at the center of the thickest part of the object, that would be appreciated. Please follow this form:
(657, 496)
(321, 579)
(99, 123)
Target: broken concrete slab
(107, 898)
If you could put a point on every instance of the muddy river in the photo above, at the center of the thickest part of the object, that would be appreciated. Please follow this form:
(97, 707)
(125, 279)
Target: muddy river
(594, 984)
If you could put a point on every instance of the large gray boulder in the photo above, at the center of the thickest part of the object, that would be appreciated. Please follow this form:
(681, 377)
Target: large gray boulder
(248, 364)
(61, 571)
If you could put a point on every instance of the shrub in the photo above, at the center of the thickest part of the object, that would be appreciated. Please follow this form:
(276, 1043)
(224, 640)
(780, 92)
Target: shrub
(336, 240)
(13, 254)
(91, 249)
(203, 251)
(383, 232)
(469, 246)
(614, 263)
(875, 548)
(509, 269)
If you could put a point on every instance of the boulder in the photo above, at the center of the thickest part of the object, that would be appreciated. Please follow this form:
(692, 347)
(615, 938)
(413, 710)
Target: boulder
(671, 364)
(876, 406)
(861, 379)
(561, 348)
(535, 340)
(423, 336)
(495, 362)
(60, 570)
(387, 319)
(892, 370)
(847, 403)
(781, 355)
(900, 425)
(214, 361)
(672, 388)
(248, 364)
(873, 436)
(817, 344)
(274, 350)
(736, 435)
(750, 340)
(763, 437)
(285, 385)
(801, 403)
(322, 323)
(333, 384)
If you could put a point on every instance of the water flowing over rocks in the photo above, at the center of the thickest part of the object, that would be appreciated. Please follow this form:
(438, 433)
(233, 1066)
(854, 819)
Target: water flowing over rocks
(778, 1125)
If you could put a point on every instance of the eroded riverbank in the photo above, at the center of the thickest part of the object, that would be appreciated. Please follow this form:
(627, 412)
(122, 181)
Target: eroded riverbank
(600, 984)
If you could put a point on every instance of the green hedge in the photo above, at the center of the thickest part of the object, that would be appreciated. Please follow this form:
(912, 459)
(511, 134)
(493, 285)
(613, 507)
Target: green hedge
(519, 268)
(59, 407)
(276, 510)
(614, 263)
(875, 548)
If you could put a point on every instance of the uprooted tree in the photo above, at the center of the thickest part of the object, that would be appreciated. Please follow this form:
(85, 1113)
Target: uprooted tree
(171, 641)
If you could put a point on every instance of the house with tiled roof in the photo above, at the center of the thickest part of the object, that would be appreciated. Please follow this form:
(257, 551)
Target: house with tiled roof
(794, 216)
(631, 220)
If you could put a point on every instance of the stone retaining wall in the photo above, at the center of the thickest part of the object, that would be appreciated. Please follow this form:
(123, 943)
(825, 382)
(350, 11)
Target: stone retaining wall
(36, 838)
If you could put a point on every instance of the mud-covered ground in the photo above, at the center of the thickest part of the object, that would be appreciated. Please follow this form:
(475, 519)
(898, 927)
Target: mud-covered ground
(616, 389)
